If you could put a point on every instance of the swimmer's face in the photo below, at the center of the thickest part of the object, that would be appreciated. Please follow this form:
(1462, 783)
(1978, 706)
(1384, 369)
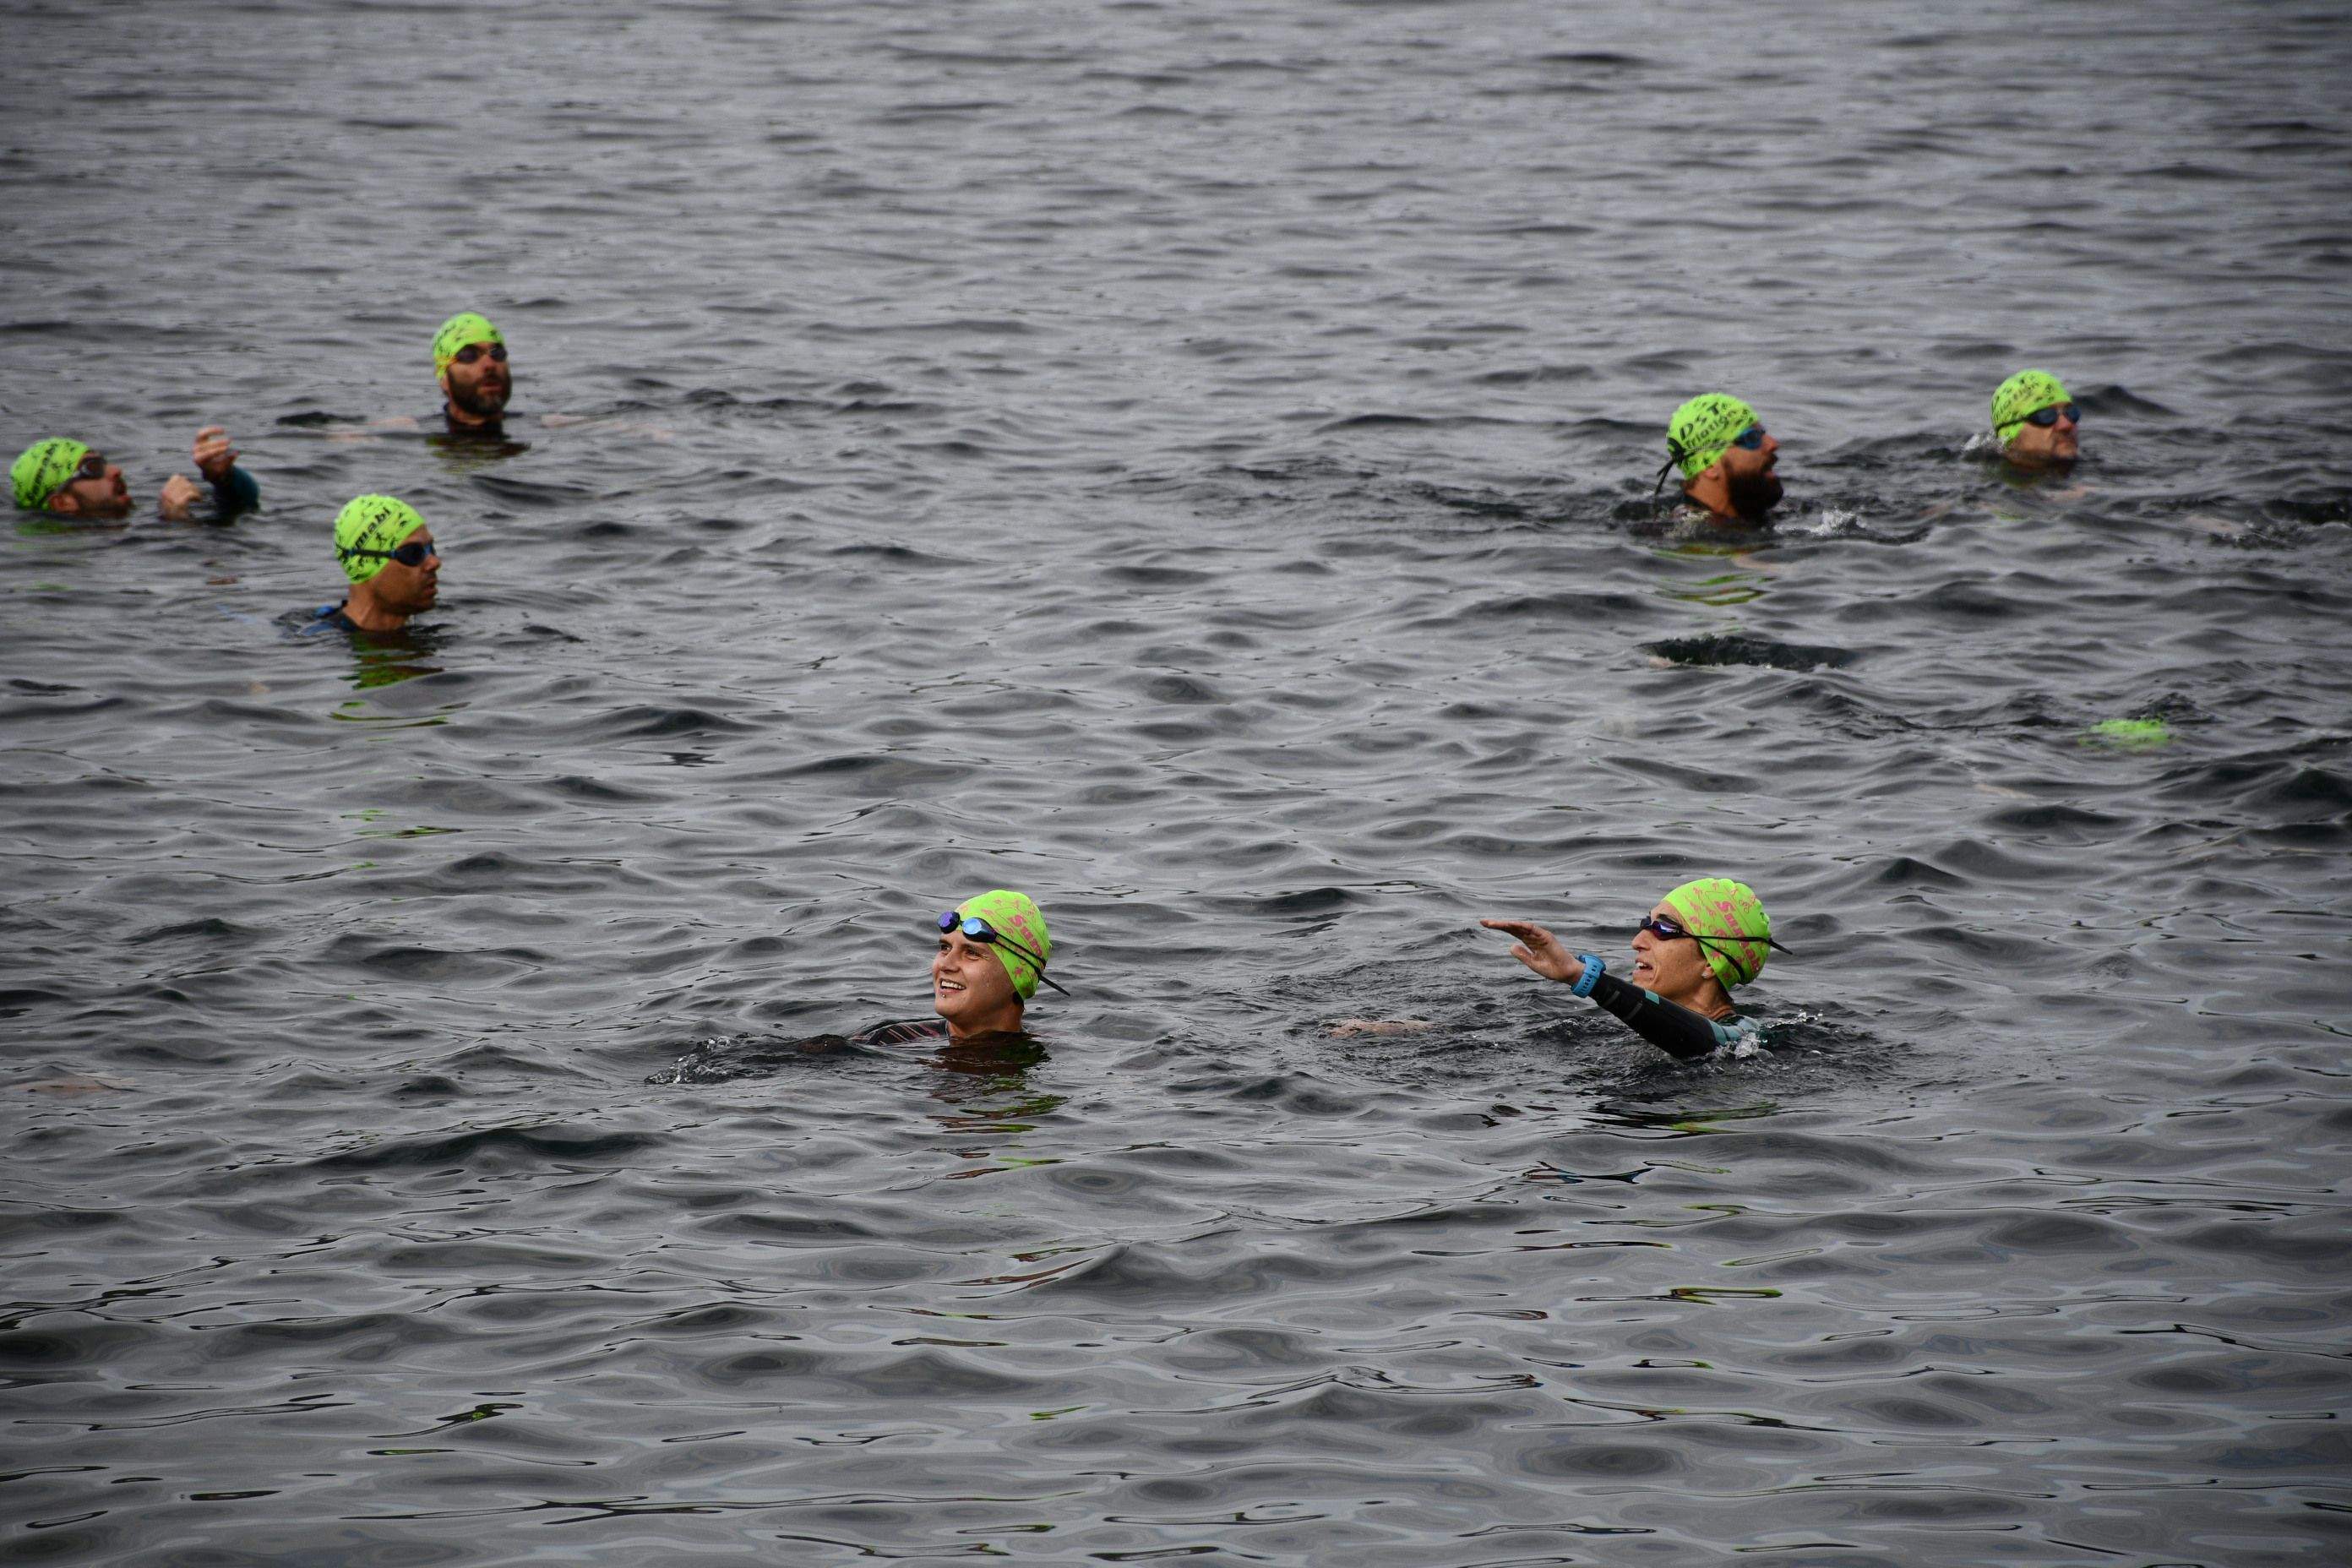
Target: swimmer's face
(1754, 487)
(481, 385)
(409, 590)
(103, 495)
(2046, 446)
(1676, 970)
(969, 987)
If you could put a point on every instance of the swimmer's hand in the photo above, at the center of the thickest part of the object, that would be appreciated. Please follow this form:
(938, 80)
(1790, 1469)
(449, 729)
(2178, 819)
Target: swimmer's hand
(1346, 1027)
(180, 493)
(1539, 950)
(214, 455)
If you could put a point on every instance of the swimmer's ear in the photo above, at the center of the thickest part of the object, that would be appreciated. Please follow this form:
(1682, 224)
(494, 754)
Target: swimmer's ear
(63, 502)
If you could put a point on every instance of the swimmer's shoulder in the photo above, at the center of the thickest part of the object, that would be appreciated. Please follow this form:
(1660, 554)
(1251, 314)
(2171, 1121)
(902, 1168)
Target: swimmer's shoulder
(899, 1032)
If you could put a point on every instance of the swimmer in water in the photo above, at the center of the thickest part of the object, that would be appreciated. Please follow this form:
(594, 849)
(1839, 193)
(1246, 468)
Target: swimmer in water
(388, 554)
(1726, 459)
(66, 478)
(2036, 421)
(469, 359)
(991, 957)
(1702, 941)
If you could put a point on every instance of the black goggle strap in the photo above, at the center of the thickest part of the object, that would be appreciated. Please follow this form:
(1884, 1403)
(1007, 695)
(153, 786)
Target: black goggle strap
(1675, 455)
(996, 935)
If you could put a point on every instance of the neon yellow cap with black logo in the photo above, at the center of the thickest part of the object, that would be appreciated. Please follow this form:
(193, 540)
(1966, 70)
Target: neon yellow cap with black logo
(461, 331)
(368, 529)
(1703, 427)
(43, 469)
(2029, 391)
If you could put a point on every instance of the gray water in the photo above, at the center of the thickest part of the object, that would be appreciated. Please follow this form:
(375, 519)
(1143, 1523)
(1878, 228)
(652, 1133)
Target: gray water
(1191, 462)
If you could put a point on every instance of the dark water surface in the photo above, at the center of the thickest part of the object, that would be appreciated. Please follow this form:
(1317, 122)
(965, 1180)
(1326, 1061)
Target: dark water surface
(1190, 461)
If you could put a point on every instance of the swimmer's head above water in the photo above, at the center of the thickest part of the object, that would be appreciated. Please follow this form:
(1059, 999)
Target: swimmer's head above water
(2036, 421)
(65, 477)
(469, 358)
(1726, 458)
(992, 953)
(387, 551)
(1695, 946)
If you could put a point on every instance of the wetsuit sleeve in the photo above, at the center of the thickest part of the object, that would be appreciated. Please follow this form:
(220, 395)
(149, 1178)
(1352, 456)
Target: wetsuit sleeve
(1673, 1028)
(237, 492)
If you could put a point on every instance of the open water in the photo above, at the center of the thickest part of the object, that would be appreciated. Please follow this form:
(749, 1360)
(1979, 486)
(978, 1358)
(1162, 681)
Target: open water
(1192, 462)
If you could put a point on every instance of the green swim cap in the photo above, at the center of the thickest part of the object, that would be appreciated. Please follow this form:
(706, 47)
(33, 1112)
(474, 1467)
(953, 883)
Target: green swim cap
(371, 522)
(2128, 734)
(1703, 427)
(43, 468)
(1732, 919)
(2027, 391)
(457, 333)
(1015, 915)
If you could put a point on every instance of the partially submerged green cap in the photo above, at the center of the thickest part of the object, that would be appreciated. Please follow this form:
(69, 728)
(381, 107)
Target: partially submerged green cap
(43, 469)
(2129, 734)
(372, 523)
(1703, 427)
(1015, 915)
(461, 331)
(2027, 391)
(1732, 919)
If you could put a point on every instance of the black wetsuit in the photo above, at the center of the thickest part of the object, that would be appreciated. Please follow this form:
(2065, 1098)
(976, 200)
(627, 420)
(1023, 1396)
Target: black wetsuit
(325, 618)
(236, 492)
(1672, 1027)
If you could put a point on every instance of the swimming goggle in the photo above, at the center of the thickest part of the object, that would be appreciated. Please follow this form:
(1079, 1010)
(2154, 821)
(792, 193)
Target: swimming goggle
(1749, 440)
(91, 466)
(979, 930)
(412, 554)
(473, 352)
(1666, 928)
(2046, 417)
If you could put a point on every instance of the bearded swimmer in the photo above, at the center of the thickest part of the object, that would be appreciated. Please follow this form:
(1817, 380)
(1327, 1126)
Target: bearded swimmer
(469, 361)
(1726, 459)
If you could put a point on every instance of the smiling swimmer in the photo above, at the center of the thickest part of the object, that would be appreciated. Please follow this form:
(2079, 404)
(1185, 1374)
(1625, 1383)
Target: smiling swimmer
(1702, 941)
(1726, 459)
(992, 953)
(2037, 421)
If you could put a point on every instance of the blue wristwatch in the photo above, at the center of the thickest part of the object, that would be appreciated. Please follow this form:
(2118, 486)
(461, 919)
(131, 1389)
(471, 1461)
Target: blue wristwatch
(1593, 970)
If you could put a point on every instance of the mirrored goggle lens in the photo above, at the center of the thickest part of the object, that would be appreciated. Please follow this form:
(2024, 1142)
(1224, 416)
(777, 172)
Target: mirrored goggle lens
(1750, 440)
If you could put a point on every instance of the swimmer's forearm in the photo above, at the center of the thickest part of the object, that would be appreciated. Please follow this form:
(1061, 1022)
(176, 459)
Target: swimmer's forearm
(1673, 1028)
